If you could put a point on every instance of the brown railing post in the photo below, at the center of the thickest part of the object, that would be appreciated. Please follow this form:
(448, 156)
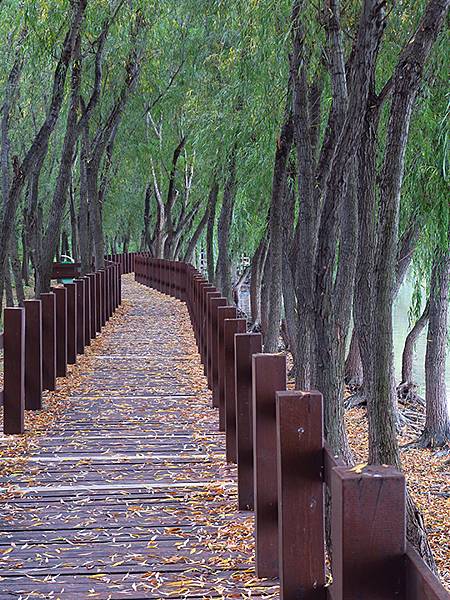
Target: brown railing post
(87, 310)
(61, 330)
(98, 301)
(33, 354)
(110, 291)
(231, 328)
(104, 280)
(210, 295)
(212, 340)
(246, 345)
(269, 377)
(119, 287)
(223, 312)
(198, 316)
(93, 301)
(48, 341)
(368, 533)
(14, 370)
(81, 325)
(300, 495)
(71, 323)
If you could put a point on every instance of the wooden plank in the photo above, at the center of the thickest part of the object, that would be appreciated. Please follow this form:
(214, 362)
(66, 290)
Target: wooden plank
(130, 481)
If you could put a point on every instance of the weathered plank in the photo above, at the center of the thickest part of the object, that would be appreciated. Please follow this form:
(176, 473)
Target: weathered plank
(128, 493)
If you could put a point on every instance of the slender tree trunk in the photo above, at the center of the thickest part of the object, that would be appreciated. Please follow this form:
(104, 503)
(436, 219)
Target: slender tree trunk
(275, 256)
(223, 275)
(256, 271)
(16, 269)
(353, 372)
(73, 225)
(213, 195)
(189, 254)
(8, 287)
(145, 238)
(95, 214)
(265, 296)
(25, 269)
(406, 247)
(437, 422)
(410, 342)
(83, 219)
(306, 235)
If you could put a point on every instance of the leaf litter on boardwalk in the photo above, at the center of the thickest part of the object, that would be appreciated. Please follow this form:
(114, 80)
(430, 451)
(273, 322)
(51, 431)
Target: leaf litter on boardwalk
(199, 543)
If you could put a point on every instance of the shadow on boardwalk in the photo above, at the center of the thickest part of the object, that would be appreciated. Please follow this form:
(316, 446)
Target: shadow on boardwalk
(125, 492)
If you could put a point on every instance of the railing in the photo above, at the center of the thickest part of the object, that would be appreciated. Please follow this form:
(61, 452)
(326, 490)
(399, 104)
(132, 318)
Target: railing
(45, 335)
(285, 469)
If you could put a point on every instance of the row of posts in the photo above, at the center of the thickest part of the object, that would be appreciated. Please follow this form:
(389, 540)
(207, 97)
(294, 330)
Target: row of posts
(47, 333)
(286, 471)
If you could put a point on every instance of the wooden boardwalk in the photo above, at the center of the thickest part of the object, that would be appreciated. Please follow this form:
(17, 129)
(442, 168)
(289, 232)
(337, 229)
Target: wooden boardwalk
(127, 493)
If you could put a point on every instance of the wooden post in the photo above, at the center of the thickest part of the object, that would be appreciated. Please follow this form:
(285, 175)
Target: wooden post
(93, 294)
(33, 354)
(214, 306)
(81, 317)
(49, 351)
(98, 301)
(207, 326)
(61, 330)
(246, 344)
(104, 296)
(223, 312)
(114, 287)
(14, 370)
(269, 377)
(71, 323)
(368, 533)
(87, 310)
(119, 288)
(202, 310)
(108, 292)
(300, 495)
(231, 327)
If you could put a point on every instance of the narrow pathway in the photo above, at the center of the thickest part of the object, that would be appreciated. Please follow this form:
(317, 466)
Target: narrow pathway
(127, 494)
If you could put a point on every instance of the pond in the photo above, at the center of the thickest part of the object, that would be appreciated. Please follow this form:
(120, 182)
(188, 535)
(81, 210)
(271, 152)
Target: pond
(402, 325)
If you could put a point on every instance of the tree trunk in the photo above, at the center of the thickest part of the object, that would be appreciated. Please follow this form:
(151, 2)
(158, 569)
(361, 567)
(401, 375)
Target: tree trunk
(223, 275)
(73, 225)
(8, 287)
(275, 256)
(406, 81)
(334, 293)
(213, 194)
(189, 254)
(84, 233)
(25, 267)
(171, 196)
(145, 238)
(406, 247)
(353, 372)
(410, 342)
(256, 271)
(437, 422)
(265, 296)
(16, 268)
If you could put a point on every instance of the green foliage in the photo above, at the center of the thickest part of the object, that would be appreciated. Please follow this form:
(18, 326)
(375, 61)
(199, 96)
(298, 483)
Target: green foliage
(216, 72)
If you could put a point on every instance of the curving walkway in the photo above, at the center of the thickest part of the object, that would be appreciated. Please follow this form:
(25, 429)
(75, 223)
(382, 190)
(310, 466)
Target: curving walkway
(127, 494)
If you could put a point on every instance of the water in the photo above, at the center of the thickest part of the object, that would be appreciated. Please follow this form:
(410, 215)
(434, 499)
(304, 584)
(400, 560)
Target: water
(401, 327)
